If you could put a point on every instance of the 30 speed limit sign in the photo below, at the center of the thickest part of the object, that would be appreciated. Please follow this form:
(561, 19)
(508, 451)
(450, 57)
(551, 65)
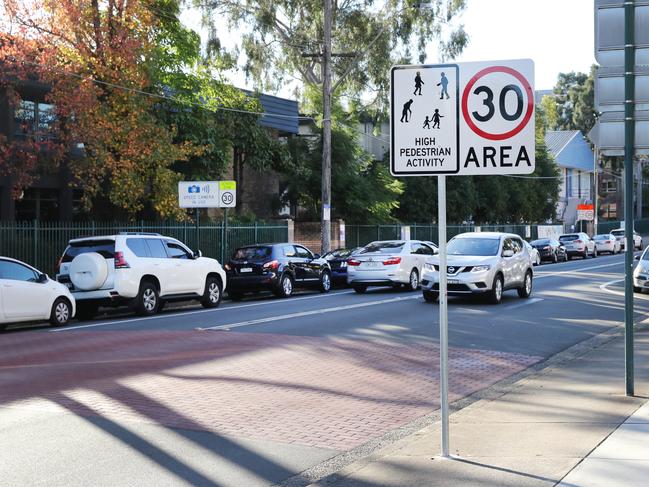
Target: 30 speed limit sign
(463, 119)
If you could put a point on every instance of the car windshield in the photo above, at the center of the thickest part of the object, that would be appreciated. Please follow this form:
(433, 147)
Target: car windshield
(252, 253)
(568, 238)
(383, 248)
(602, 237)
(105, 248)
(541, 242)
(337, 254)
(473, 246)
(618, 233)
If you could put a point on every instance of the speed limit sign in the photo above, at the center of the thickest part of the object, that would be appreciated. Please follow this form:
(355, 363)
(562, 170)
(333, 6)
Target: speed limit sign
(463, 119)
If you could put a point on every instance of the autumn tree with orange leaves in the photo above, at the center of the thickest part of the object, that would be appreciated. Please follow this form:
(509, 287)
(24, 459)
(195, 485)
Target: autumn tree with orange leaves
(96, 57)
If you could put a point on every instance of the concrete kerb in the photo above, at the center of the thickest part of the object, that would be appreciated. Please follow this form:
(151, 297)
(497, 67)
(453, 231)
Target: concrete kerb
(340, 466)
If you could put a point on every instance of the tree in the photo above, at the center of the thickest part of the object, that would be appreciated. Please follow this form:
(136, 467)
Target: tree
(574, 101)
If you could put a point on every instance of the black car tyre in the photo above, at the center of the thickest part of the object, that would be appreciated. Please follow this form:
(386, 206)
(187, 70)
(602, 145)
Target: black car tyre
(325, 282)
(555, 257)
(285, 288)
(496, 293)
(431, 296)
(413, 281)
(585, 254)
(566, 258)
(212, 294)
(61, 312)
(594, 252)
(147, 301)
(86, 311)
(526, 289)
(360, 289)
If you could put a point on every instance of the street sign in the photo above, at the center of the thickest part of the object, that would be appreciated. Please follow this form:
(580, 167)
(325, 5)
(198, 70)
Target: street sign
(207, 194)
(585, 213)
(609, 32)
(463, 119)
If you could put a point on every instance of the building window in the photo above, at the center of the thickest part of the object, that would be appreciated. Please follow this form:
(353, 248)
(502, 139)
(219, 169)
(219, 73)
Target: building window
(608, 187)
(34, 118)
(569, 183)
(38, 204)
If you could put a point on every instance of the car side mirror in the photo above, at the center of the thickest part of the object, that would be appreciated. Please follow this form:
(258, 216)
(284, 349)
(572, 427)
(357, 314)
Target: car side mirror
(508, 253)
(637, 257)
(43, 278)
(198, 254)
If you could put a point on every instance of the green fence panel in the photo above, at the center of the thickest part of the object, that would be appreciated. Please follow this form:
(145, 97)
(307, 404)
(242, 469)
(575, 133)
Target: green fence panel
(41, 244)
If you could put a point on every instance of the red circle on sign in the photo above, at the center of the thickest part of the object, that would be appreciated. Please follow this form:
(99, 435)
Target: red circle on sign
(465, 102)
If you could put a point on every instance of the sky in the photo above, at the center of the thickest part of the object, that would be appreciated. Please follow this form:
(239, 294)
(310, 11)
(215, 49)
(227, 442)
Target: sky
(557, 34)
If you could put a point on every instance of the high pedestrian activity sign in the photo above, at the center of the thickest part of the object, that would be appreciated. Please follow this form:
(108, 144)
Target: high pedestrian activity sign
(463, 119)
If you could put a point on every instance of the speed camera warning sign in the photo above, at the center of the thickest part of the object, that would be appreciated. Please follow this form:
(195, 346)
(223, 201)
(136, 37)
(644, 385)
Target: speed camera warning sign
(463, 119)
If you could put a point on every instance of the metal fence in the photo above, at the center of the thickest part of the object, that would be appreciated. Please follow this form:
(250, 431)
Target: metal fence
(641, 226)
(42, 243)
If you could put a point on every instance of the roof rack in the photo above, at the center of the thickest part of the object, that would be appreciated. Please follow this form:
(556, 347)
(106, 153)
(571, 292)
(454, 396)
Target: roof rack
(140, 233)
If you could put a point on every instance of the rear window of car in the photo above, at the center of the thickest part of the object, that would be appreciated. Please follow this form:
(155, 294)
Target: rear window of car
(138, 246)
(337, 254)
(601, 237)
(540, 242)
(105, 248)
(568, 238)
(618, 233)
(252, 253)
(383, 248)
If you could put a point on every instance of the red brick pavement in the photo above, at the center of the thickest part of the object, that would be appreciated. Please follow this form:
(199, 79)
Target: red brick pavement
(323, 392)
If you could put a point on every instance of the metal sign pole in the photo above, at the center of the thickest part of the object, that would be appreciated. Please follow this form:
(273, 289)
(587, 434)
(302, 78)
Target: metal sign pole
(443, 312)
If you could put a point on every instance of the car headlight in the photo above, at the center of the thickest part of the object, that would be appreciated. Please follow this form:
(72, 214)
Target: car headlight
(641, 269)
(429, 267)
(480, 268)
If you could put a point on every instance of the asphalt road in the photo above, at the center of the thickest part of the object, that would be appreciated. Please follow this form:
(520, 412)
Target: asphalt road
(257, 391)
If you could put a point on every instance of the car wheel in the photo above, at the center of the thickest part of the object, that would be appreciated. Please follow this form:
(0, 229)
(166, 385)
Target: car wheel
(61, 312)
(538, 260)
(212, 294)
(526, 290)
(285, 288)
(86, 311)
(413, 280)
(565, 258)
(147, 301)
(360, 289)
(431, 296)
(325, 282)
(585, 254)
(594, 253)
(496, 293)
(555, 258)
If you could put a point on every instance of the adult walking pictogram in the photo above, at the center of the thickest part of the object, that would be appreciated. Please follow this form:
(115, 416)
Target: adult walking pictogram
(418, 83)
(444, 84)
(406, 111)
(436, 118)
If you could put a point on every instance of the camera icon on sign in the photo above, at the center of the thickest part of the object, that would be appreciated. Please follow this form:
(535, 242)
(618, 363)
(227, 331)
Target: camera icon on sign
(194, 189)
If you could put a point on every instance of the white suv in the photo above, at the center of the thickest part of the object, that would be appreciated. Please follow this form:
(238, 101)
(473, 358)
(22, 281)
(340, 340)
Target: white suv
(138, 269)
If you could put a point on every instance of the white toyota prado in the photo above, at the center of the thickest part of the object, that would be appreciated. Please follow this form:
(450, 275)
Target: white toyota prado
(142, 270)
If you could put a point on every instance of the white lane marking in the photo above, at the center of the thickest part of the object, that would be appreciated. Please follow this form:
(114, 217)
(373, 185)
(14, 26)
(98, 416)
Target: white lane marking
(542, 275)
(307, 313)
(604, 287)
(524, 303)
(200, 311)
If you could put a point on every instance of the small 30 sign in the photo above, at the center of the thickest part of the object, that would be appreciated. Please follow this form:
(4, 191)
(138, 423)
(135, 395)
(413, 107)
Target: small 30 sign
(585, 213)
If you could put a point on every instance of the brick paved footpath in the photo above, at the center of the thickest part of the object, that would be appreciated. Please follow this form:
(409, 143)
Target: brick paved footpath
(322, 392)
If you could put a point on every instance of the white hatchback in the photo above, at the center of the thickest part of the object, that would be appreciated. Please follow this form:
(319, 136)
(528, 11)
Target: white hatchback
(27, 294)
(388, 263)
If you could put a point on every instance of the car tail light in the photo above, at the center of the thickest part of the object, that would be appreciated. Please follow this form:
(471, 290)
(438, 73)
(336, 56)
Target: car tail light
(392, 261)
(608, 242)
(353, 262)
(547, 247)
(273, 265)
(120, 261)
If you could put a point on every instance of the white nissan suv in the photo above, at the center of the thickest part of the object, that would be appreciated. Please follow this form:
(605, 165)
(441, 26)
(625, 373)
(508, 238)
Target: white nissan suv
(142, 270)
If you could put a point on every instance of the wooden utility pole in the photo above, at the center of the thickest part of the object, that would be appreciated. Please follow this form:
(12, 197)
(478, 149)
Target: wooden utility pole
(326, 130)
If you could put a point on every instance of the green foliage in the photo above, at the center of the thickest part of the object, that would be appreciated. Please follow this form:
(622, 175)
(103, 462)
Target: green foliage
(575, 102)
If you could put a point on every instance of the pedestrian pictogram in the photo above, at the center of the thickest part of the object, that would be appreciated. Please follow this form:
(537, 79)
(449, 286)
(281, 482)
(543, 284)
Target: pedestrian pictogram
(471, 119)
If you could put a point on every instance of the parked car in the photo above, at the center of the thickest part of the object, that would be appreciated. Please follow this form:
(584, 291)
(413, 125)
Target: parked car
(535, 256)
(641, 272)
(607, 242)
(550, 249)
(620, 235)
(486, 263)
(338, 263)
(26, 294)
(143, 270)
(432, 245)
(279, 268)
(578, 245)
(388, 263)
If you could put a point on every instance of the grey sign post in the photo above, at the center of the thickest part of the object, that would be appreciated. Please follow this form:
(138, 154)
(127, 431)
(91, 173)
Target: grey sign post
(457, 120)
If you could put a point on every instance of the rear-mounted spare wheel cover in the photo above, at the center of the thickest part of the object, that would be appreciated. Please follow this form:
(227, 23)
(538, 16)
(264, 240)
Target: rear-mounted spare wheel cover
(88, 271)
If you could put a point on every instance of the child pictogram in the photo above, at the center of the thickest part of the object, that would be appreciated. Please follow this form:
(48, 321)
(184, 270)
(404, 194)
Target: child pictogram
(427, 122)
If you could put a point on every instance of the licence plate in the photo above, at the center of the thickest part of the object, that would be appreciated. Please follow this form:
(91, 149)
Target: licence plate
(453, 281)
(372, 264)
(245, 269)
